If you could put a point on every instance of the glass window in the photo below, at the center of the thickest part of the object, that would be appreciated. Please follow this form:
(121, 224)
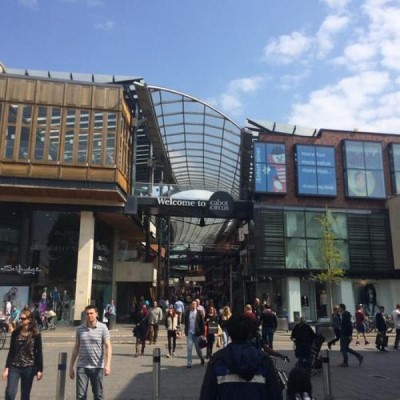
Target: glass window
(363, 169)
(294, 224)
(110, 140)
(313, 225)
(316, 170)
(69, 136)
(296, 254)
(394, 156)
(270, 167)
(41, 129)
(97, 138)
(83, 137)
(55, 134)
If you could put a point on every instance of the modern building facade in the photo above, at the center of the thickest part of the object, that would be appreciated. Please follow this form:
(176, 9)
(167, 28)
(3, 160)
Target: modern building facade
(108, 185)
(353, 175)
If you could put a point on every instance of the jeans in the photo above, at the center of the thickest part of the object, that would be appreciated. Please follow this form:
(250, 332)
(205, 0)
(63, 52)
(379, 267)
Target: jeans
(225, 338)
(14, 375)
(193, 340)
(83, 376)
(268, 336)
(171, 341)
(345, 349)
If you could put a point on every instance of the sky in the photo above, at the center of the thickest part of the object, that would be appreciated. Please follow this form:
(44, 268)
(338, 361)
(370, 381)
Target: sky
(331, 64)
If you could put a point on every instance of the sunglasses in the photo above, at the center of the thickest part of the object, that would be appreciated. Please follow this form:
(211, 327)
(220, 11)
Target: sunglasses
(23, 318)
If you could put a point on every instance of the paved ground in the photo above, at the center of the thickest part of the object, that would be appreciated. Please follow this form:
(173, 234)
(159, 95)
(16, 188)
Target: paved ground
(131, 378)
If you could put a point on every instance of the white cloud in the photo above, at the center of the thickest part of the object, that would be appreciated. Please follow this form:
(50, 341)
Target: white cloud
(287, 48)
(337, 5)
(105, 26)
(291, 81)
(330, 27)
(29, 3)
(231, 101)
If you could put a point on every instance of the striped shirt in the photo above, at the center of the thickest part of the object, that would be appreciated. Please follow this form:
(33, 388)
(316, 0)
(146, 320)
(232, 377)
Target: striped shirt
(91, 345)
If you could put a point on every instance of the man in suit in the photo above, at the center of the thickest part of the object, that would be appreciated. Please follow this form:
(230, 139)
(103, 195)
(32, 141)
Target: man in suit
(346, 336)
(194, 329)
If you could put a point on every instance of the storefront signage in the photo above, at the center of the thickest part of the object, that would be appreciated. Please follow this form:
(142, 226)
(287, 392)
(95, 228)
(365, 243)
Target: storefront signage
(220, 204)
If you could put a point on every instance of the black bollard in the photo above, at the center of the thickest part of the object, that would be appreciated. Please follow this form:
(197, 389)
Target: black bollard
(61, 375)
(156, 373)
(326, 371)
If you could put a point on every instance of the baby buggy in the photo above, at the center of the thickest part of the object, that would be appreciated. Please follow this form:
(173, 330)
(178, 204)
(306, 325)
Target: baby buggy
(316, 361)
(48, 320)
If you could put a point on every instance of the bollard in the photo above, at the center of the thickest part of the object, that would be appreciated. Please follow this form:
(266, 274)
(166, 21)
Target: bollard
(61, 375)
(156, 373)
(326, 371)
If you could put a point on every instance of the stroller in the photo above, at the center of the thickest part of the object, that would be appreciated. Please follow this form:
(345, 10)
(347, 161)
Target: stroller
(48, 320)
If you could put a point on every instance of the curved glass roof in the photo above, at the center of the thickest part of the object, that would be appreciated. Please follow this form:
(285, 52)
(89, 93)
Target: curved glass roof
(202, 144)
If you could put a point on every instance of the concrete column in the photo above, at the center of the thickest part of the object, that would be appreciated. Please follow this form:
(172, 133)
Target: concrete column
(84, 271)
(293, 297)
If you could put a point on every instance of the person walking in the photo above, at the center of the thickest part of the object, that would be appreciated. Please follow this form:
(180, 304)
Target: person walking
(194, 329)
(269, 323)
(93, 352)
(155, 318)
(381, 338)
(24, 359)
(360, 324)
(303, 336)
(346, 336)
(179, 309)
(211, 322)
(171, 323)
(224, 318)
(240, 370)
(140, 330)
(396, 320)
(336, 324)
(110, 314)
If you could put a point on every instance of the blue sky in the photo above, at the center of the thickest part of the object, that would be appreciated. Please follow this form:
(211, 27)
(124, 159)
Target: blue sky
(313, 63)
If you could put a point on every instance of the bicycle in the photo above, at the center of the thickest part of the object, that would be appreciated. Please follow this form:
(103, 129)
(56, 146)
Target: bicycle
(3, 335)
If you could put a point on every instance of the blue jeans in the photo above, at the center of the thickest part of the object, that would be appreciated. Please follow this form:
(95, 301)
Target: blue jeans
(14, 375)
(193, 340)
(83, 376)
(268, 336)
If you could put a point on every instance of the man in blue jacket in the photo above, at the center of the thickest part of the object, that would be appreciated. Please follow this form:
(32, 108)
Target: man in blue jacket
(240, 370)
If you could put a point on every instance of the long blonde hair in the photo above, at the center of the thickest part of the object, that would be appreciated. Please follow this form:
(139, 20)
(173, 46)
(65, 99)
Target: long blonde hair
(226, 313)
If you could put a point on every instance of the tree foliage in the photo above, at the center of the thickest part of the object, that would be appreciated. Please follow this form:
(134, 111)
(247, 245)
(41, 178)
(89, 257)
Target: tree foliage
(330, 257)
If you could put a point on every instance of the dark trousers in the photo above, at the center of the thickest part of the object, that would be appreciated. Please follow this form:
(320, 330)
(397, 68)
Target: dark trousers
(268, 336)
(337, 334)
(210, 344)
(14, 375)
(303, 355)
(397, 339)
(346, 350)
(153, 334)
(171, 341)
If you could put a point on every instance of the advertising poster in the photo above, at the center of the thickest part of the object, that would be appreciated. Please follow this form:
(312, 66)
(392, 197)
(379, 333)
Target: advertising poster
(316, 170)
(16, 295)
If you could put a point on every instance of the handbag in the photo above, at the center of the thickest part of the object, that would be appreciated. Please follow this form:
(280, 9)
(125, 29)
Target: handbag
(381, 340)
(202, 343)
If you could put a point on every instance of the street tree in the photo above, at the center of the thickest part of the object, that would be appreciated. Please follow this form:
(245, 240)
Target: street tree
(331, 260)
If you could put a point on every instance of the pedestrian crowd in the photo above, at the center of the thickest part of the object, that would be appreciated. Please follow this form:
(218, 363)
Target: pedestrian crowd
(240, 347)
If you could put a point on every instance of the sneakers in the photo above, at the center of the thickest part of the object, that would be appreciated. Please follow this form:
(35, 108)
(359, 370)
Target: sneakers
(173, 354)
(360, 360)
(366, 342)
(189, 367)
(357, 342)
(168, 355)
(343, 365)
(202, 361)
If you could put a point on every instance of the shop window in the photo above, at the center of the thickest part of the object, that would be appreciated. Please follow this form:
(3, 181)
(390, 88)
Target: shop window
(363, 169)
(269, 167)
(316, 170)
